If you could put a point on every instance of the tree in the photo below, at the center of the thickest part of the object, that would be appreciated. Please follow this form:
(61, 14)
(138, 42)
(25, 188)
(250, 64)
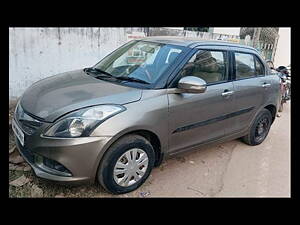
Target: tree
(200, 29)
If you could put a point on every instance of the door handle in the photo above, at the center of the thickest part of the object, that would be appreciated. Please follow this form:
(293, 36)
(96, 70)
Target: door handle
(265, 85)
(227, 93)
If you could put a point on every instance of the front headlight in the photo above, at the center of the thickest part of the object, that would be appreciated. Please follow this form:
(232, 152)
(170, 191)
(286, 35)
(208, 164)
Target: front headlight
(82, 122)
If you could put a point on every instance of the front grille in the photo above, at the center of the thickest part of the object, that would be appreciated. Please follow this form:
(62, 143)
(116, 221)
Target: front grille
(28, 124)
(28, 127)
(27, 153)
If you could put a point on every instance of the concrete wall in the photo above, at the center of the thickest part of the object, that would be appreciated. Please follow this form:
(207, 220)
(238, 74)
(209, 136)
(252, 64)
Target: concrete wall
(36, 53)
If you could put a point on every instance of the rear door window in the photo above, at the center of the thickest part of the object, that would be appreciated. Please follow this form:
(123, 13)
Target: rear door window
(259, 68)
(244, 65)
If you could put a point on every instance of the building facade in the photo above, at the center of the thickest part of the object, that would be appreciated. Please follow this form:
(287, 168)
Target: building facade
(264, 39)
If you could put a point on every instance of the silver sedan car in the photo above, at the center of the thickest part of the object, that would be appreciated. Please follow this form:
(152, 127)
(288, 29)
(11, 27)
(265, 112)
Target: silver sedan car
(146, 101)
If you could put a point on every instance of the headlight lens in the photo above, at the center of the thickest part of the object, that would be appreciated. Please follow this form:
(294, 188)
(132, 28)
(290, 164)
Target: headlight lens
(82, 122)
(76, 127)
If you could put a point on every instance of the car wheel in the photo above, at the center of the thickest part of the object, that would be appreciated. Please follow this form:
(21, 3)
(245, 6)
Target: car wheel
(259, 129)
(126, 165)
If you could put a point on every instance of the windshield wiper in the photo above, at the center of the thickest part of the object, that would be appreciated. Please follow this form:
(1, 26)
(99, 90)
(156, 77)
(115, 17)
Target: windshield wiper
(92, 69)
(132, 79)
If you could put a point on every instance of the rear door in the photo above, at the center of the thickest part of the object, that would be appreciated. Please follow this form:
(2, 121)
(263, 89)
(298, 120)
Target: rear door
(248, 89)
(269, 85)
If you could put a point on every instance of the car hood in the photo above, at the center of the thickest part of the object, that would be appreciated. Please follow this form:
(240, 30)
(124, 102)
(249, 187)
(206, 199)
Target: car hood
(55, 96)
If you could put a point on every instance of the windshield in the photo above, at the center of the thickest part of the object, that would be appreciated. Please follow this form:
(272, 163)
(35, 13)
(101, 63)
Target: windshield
(139, 61)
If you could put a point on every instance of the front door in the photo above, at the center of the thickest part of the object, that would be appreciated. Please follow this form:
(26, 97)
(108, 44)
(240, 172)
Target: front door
(201, 117)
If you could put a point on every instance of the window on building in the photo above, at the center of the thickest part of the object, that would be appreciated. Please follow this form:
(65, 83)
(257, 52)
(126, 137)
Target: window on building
(208, 65)
(244, 64)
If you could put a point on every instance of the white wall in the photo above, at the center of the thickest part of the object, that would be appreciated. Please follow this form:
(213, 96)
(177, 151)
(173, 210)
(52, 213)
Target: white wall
(283, 51)
(177, 28)
(36, 53)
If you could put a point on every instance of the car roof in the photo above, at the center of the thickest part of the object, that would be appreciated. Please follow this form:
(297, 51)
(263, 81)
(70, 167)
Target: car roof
(193, 42)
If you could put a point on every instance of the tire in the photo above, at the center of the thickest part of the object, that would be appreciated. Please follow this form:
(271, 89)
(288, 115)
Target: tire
(126, 144)
(252, 138)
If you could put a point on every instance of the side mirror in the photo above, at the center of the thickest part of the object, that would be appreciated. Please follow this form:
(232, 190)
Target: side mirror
(191, 84)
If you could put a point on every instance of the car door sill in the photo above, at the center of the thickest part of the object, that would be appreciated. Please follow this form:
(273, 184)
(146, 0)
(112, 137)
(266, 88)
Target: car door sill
(212, 141)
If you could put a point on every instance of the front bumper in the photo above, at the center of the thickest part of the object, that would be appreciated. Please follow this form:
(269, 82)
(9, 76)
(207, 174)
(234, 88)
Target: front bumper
(81, 156)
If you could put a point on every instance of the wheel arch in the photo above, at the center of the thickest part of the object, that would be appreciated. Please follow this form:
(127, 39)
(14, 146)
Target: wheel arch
(149, 135)
(273, 110)
(155, 142)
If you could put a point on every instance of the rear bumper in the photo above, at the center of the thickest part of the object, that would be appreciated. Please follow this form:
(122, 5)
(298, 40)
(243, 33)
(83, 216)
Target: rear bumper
(80, 156)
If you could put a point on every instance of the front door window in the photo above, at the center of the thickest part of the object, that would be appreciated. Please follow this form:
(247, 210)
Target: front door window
(208, 65)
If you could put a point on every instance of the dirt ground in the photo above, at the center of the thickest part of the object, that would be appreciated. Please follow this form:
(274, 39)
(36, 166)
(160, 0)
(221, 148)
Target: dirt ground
(232, 169)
